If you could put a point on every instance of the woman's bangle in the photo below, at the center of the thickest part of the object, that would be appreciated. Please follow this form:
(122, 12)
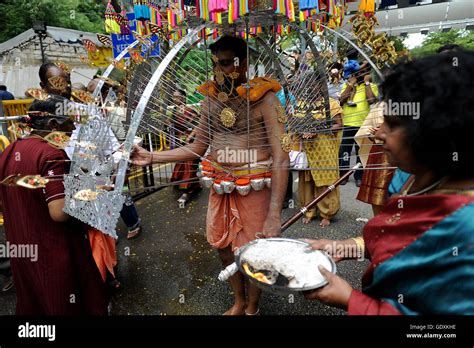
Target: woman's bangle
(360, 243)
(151, 159)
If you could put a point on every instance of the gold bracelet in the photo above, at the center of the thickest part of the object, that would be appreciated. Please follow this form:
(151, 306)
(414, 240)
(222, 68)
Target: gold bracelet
(360, 244)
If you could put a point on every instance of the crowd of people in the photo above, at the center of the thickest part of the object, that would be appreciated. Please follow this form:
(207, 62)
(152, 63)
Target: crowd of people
(417, 176)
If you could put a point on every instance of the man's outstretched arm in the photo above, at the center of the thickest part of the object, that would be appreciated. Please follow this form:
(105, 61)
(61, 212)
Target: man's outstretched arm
(142, 157)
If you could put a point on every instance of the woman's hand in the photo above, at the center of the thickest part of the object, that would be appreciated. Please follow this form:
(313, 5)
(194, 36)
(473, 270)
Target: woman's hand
(327, 245)
(309, 135)
(373, 130)
(140, 156)
(336, 293)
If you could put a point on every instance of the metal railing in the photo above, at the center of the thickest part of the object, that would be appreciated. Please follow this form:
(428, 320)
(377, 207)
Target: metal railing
(143, 181)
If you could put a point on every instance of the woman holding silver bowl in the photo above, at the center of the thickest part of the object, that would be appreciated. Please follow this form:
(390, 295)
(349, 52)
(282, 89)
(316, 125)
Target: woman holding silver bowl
(421, 244)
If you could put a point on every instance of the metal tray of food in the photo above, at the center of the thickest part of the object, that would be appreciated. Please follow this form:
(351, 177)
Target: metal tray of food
(283, 265)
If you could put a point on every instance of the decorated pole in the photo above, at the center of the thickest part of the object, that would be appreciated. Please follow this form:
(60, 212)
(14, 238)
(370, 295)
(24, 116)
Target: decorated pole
(315, 201)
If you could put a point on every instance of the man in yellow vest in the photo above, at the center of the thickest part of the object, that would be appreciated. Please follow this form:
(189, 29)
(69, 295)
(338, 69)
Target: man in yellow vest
(356, 96)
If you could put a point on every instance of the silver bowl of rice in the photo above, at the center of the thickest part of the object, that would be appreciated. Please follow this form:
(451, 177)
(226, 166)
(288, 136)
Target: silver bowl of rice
(283, 265)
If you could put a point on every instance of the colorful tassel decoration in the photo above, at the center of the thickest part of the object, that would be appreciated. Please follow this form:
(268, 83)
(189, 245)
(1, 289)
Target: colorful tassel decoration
(154, 11)
(141, 9)
(231, 12)
(218, 6)
(291, 13)
(168, 14)
(111, 18)
(367, 6)
(124, 22)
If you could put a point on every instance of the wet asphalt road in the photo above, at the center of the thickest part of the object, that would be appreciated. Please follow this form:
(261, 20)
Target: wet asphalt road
(171, 270)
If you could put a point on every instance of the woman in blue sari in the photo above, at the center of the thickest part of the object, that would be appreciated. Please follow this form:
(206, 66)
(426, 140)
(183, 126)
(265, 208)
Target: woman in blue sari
(421, 246)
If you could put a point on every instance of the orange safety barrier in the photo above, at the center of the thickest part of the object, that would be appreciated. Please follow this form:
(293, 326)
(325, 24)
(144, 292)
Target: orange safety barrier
(16, 107)
(4, 142)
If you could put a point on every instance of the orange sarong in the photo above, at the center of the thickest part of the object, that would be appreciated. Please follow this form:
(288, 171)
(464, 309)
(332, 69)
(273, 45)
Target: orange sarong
(103, 251)
(233, 219)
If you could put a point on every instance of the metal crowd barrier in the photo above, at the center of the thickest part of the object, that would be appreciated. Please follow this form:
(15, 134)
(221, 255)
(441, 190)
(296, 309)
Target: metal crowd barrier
(143, 181)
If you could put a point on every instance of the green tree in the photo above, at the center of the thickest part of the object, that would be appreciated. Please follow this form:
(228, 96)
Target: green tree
(18, 15)
(466, 40)
(398, 43)
(194, 66)
(436, 40)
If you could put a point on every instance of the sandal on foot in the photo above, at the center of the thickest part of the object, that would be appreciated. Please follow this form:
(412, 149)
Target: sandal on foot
(133, 233)
(184, 198)
(8, 284)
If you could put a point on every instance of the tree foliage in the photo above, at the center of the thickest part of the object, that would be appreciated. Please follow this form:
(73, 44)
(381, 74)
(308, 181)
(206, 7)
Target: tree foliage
(398, 43)
(436, 40)
(194, 66)
(18, 15)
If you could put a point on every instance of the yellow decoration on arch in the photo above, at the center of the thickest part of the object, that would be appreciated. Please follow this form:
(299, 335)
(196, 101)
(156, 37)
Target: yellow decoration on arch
(367, 6)
(101, 57)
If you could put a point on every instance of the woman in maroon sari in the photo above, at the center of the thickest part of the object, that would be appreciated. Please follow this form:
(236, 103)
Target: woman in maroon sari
(184, 120)
(63, 279)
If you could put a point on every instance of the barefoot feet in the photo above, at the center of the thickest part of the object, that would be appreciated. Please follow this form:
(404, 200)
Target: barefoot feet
(324, 223)
(236, 309)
